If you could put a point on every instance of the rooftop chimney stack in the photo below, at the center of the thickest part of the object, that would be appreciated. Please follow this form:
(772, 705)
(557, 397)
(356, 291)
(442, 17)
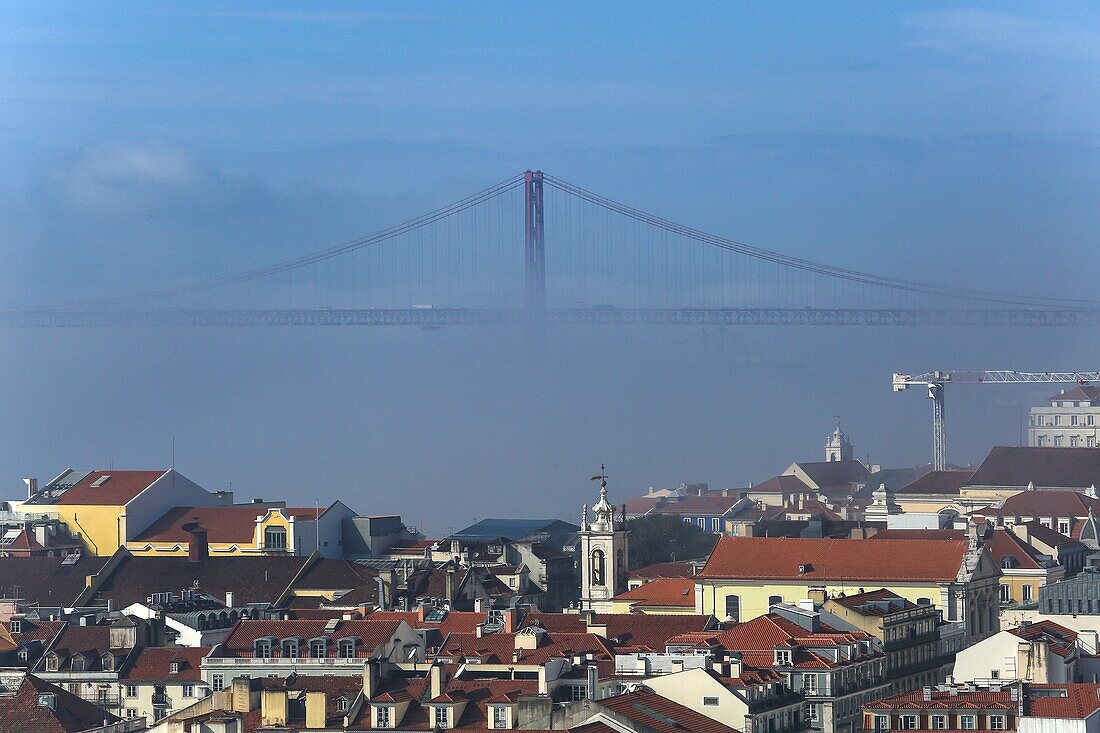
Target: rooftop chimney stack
(32, 486)
(198, 548)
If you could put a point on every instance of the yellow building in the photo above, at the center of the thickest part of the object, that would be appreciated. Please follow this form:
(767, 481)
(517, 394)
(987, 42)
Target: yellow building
(1023, 568)
(246, 530)
(106, 508)
(744, 576)
(660, 595)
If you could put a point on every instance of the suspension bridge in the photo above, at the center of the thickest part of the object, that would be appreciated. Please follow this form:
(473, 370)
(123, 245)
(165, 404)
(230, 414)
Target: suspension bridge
(535, 249)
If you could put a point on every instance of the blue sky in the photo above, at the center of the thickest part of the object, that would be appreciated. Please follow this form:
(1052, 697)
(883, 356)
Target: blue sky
(155, 143)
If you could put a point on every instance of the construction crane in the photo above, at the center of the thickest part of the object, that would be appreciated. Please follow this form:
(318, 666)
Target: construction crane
(935, 382)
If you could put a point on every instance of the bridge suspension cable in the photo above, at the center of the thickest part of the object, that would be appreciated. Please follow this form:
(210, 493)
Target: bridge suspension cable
(808, 265)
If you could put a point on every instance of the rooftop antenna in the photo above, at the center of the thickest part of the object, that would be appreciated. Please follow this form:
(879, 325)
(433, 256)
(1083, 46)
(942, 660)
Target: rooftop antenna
(317, 523)
(173, 452)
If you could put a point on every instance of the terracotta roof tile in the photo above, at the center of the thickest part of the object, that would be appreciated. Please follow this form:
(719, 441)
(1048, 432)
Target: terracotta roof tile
(662, 592)
(155, 663)
(120, 488)
(835, 559)
(938, 482)
(1045, 467)
(1081, 700)
(656, 713)
(665, 570)
(70, 713)
(372, 634)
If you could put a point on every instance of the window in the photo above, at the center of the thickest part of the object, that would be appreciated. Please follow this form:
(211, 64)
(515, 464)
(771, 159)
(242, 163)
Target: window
(131, 690)
(782, 657)
(702, 523)
(131, 712)
(78, 663)
(598, 567)
(1074, 441)
(996, 722)
(188, 690)
(882, 722)
(263, 648)
(774, 600)
(994, 674)
(317, 648)
(442, 716)
(1006, 593)
(342, 704)
(811, 712)
(217, 682)
(500, 717)
(347, 649)
(578, 692)
(16, 625)
(173, 668)
(924, 601)
(710, 702)
(290, 649)
(382, 713)
(809, 684)
(733, 608)
(907, 722)
(939, 722)
(968, 722)
(1090, 441)
(1057, 439)
(275, 538)
(715, 525)
(1027, 591)
(23, 655)
(1063, 526)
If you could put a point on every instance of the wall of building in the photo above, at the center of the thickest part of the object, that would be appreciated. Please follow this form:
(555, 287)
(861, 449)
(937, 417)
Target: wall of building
(141, 704)
(690, 687)
(99, 527)
(171, 489)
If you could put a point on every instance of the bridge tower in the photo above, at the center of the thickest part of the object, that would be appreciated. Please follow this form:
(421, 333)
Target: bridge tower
(534, 242)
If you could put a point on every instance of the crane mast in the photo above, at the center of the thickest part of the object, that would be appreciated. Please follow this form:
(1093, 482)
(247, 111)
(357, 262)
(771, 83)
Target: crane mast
(936, 381)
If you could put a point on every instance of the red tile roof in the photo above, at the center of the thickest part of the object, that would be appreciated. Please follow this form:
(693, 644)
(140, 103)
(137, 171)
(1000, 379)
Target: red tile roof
(455, 622)
(938, 482)
(1003, 543)
(1083, 392)
(1045, 467)
(372, 634)
(662, 592)
(1048, 536)
(70, 714)
(757, 640)
(1063, 641)
(222, 523)
(781, 485)
(1046, 504)
(835, 559)
(836, 474)
(665, 570)
(501, 647)
(627, 631)
(919, 534)
(1081, 701)
(120, 488)
(154, 663)
(656, 713)
(943, 699)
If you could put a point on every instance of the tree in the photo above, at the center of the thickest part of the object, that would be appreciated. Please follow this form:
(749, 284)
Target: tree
(658, 538)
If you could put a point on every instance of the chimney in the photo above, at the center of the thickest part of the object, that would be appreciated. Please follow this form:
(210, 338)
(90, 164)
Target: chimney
(32, 486)
(593, 681)
(511, 620)
(229, 599)
(370, 679)
(316, 701)
(422, 612)
(435, 681)
(544, 685)
(273, 707)
(479, 605)
(198, 549)
(450, 583)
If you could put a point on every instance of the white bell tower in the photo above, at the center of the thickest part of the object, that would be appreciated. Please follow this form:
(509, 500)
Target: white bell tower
(837, 446)
(604, 553)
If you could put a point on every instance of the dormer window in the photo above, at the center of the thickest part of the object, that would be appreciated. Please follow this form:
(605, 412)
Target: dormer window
(383, 716)
(443, 716)
(51, 662)
(290, 649)
(342, 704)
(275, 538)
(317, 648)
(23, 654)
(108, 662)
(347, 648)
(173, 667)
(16, 625)
(263, 648)
(782, 657)
(78, 663)
(1008, 562)
(500, 716)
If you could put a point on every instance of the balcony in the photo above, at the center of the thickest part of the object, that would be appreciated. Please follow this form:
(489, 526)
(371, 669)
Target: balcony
(160, 700)
(283, 662)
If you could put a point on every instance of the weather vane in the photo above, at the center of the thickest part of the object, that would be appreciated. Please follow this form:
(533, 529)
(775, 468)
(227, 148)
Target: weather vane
(601, 477)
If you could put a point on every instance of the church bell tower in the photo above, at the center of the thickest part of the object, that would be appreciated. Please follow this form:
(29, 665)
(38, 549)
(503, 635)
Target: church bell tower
(604, 553)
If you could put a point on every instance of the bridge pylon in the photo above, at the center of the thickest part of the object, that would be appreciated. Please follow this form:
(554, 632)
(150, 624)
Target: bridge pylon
(534, 241)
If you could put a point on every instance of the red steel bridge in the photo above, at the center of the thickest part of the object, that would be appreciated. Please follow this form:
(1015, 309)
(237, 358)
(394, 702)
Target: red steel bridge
(586, 260)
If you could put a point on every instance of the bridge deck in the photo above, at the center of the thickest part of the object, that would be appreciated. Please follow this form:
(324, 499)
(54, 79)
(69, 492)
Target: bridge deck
(438, 317)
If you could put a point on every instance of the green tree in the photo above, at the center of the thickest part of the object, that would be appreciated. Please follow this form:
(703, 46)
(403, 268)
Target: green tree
(658, 538)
